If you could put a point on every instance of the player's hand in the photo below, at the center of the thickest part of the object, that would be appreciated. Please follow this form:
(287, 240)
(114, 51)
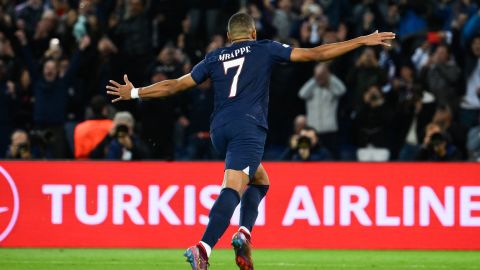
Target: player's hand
(121, 91)
(377, 38)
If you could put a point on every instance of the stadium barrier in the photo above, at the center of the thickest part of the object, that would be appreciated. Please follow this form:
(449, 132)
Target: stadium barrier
(309, 205)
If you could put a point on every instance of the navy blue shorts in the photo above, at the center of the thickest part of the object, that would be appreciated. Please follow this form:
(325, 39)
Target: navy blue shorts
(242, 144)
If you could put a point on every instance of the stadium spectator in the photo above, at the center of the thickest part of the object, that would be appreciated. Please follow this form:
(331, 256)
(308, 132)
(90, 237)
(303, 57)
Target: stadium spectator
(440, 37)
(7, 106)
(473, 143)
(199, 109)
(371, 126)
(299, 123)
(455, 132)
(28, 14)
(50, 90)
(304, 144)
(366, 72)
(283, 18)
(440, 76)
(90, 133)
(470, 105)
(163, 113)
(321, 94)
(436, 147)
(265, 29)
(414, 114)
(313, 25)
(124, 144)
(133, 34)
(19, 146)
(307, 147)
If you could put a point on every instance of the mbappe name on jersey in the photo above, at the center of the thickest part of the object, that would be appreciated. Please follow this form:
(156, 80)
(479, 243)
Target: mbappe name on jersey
(235, 53)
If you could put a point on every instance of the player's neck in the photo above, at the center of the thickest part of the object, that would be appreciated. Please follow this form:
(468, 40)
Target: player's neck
(241, 39)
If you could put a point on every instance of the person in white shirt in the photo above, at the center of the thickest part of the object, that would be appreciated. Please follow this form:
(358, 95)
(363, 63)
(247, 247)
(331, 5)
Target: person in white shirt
(322, 94)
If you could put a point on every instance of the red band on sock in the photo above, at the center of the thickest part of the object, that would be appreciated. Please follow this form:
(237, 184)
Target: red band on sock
(203, 252)
(247, 235)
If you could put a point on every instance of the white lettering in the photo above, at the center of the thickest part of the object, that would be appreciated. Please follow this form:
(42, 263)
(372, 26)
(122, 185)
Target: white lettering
(81, 205)
(301, 196)
(130, 207)
(444, 213)
(189, 205)
(158, 204)
(467, 206)
(347, 207)
(408, 206)
(57, 192)
(382, 218)
(329, 205)
(237, 52)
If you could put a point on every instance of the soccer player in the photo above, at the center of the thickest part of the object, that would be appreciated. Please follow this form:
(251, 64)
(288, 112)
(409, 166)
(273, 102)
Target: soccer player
(240, 74)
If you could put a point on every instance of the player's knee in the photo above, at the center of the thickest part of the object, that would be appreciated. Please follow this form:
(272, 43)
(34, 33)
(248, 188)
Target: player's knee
(261, 177)
(236, 180)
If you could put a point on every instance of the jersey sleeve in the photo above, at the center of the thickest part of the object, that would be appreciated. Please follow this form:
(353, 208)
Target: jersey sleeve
(200, 72)
(280, 52)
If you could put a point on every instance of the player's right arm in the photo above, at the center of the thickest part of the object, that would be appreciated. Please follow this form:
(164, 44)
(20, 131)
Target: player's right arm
(329, 51)
(161, 89)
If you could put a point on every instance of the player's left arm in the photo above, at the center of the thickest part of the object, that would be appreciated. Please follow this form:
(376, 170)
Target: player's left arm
(329, 51)
(161, 89)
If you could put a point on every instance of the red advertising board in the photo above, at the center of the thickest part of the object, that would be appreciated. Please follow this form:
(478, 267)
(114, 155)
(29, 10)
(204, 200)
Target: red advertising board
(309, 205)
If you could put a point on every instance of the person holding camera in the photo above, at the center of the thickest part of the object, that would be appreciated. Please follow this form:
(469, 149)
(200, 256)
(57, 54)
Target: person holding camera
(124, 145)
(20, 146)
(305, 146)
(436, 146)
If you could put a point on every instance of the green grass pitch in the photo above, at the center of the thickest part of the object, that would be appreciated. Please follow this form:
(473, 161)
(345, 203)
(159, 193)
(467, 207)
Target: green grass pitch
(158, 259)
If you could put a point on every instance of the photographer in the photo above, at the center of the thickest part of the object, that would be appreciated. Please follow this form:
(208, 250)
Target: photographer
(436, 146)
(124, 145)
(20, 146)
(306, 147)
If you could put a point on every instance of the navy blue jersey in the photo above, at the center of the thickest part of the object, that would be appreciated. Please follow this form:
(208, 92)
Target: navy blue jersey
(241, 78)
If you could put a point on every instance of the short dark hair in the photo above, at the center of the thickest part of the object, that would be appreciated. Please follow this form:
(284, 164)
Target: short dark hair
(98, 103)
(240, 24)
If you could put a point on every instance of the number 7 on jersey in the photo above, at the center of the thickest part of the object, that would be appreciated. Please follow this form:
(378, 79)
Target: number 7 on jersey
(230, 64)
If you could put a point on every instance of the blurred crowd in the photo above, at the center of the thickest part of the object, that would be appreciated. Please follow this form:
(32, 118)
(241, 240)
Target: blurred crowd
(418, 100)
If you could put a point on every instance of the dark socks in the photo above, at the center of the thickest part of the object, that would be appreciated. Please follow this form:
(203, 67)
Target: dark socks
(220, 215)
(250, 201)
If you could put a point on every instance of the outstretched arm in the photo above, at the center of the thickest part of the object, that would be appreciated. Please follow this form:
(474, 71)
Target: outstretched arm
(329, 51)
(161, 89)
